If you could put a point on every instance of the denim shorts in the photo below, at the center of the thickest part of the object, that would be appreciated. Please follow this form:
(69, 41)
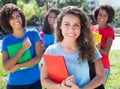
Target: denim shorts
(107, 73)
(36, 85)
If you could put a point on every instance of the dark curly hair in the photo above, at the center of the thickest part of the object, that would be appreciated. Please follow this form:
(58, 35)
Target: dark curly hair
(46, 27)
(109, 10)
(85, 39)
(5, 14)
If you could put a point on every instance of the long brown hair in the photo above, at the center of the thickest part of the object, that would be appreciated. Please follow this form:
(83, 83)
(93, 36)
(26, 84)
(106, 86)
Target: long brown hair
(85, 40)
(46, 26)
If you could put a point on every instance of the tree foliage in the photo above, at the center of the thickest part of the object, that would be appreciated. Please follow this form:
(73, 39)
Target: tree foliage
(32, 11)
(117, 18)
(9, 1)
(35, 9)
(80, 3)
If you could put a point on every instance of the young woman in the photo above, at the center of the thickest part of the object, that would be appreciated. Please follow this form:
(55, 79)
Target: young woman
(47, 33)
(104, 14)
(22, 74)
(75, 43)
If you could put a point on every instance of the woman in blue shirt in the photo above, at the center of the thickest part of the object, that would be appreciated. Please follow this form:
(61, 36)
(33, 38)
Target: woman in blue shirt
(75, 43)
(22, 63)
(47, 32)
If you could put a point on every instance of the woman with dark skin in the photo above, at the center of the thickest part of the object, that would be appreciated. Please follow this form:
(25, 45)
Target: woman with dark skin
(104, 14)
(13, 21)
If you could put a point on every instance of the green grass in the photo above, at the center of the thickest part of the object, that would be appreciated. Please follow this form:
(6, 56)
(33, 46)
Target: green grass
(3, 75)
(113, 80)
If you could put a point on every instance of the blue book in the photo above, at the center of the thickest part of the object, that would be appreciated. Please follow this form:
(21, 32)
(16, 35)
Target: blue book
(48, 39)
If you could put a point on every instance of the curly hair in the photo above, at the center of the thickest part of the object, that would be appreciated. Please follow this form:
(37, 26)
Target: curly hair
(109, 10)
(85, 39)
(5, 14)
(46, 26)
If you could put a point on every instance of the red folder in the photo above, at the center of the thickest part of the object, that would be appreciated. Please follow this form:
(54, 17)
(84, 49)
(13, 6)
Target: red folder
(56, 67)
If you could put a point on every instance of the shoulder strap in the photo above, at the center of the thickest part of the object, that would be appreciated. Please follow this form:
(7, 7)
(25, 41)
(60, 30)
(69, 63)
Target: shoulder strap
(92, 73)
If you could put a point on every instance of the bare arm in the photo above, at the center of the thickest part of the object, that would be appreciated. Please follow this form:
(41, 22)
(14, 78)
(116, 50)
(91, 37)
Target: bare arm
(108, 46)
(31, 62)
(8, 63)
(46, 82)
(99, 78)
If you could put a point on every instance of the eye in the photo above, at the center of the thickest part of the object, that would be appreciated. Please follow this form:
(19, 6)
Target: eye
(77, 25)
(66, 24)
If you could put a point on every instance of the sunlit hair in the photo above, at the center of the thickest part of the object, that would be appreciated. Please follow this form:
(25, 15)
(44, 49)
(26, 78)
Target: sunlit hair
(109, 10)
(85, 39)
(5, 14)
(46, 26)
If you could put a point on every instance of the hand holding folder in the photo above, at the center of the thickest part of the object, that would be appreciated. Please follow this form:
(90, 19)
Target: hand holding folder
(26, 56)
(97, 37)
(56, 67)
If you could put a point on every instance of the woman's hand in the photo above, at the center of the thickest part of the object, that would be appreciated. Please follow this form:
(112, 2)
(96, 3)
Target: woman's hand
(98, 45)
(70, 80)
(69, 83)
(26, 44)
(13, 69)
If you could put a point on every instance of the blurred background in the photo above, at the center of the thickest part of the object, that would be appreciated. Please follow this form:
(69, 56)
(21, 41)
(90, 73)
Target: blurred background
(35, 10)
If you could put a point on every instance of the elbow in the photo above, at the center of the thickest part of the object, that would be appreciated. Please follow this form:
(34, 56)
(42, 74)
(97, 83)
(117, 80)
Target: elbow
(102, 78)
(6, 68)
(38, 58)
(104, 51)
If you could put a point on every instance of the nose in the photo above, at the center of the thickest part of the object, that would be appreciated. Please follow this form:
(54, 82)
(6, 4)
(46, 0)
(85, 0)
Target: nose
(70, 28)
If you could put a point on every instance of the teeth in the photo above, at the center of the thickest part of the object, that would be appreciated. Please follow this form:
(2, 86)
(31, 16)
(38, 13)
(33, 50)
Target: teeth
(71, 34)
(16, 23)
(101, 19)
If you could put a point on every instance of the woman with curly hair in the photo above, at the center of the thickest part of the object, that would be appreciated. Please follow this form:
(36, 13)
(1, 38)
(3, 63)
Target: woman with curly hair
(74, 41)
(24, 72)
(104, 14)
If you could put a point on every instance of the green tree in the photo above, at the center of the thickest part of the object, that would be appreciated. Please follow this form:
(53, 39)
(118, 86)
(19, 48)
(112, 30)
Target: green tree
(0, 4)
(9, 1)
(117, 18)
(33, 12)
(80, 3)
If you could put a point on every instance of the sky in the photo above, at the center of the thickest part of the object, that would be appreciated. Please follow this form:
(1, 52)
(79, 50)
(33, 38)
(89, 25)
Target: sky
(114, 3)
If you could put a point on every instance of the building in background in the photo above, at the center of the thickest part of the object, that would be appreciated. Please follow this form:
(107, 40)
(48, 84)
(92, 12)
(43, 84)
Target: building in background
(93, 3)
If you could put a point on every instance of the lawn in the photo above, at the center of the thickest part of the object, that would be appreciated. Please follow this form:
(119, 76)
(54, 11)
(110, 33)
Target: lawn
(112, 83)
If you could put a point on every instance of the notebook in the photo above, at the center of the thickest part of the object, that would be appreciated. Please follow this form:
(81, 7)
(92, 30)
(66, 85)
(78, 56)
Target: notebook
(26, 56)
(48, 39)
(97, 37)
(56, 67)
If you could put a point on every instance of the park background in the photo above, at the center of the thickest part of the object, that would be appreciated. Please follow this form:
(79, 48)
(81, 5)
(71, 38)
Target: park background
(35, 10)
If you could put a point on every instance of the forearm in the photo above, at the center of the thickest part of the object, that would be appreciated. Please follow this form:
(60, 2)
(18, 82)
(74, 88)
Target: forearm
(104, 51)
(31, 62)
(97, 81)
(47, 83)
(9, 63)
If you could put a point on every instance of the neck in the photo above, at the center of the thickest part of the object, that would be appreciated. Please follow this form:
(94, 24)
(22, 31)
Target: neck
(18, 33)
(101, 26)
(69, 45)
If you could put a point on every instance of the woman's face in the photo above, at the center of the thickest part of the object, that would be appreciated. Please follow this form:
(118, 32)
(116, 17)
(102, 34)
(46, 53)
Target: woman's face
(51, 18)
(15, 20)
(71, 27)
(102, 17)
